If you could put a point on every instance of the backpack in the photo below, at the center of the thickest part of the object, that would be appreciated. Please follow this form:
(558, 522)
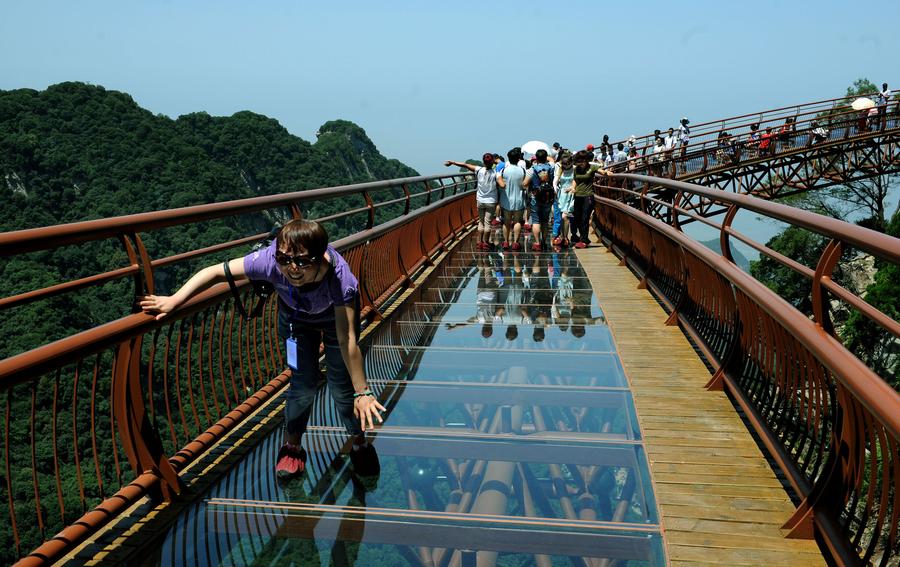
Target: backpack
(542, 184)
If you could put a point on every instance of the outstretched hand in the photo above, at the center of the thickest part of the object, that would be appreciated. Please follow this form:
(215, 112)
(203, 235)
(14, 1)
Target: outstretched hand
(158, 305)
(365, 407)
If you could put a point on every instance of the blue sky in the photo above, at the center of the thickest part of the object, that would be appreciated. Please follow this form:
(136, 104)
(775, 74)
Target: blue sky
(430, 81)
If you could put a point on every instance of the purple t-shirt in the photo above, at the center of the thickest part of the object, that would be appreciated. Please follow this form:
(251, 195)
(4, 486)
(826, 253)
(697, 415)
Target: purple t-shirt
(339, 287)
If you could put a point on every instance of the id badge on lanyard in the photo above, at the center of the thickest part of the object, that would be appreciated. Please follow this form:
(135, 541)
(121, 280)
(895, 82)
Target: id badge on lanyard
(290, 347)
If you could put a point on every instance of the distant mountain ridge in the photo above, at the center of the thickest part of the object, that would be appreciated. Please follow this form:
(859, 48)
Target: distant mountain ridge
(76, 151)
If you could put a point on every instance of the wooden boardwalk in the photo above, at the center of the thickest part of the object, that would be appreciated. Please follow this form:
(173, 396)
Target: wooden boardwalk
(719, 500)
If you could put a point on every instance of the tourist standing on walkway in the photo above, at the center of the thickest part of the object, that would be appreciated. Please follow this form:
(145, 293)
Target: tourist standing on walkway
(511, 188)
(565, 198)
(539, 181)
(499, 164)
(485, 195)
(318, 299)
(753, 141)
(584, 198)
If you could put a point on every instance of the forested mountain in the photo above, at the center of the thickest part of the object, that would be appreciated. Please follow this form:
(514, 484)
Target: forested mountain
(75, 152)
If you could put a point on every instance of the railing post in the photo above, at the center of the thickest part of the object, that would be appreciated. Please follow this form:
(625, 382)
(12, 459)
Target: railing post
(371, 206)
(406, 192)
(723, 232)
(139, 438)
(827, 261)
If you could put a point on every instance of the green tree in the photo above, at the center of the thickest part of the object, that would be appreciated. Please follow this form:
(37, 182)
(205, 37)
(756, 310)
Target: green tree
(870, 342)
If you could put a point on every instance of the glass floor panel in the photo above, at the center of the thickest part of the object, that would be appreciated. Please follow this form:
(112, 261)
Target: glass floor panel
(510, 439)
(520, 330)
(534, 410)
(487, 366)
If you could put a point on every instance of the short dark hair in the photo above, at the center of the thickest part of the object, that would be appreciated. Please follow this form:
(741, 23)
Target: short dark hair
(541, 155)
(620, 146)
(514, 155)
(306, 233)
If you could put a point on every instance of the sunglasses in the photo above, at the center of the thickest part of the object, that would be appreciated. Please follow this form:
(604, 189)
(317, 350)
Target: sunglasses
(302, 262)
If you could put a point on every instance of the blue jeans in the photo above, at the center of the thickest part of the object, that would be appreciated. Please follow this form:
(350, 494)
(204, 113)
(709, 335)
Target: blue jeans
(306, 381)
(557, 220)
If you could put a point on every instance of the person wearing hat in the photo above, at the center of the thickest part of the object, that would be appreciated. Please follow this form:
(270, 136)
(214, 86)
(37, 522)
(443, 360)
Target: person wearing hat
(485, 195)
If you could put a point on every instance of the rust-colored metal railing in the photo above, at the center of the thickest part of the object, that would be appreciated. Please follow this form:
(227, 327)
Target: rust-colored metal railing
(101, 418)
(829, 421)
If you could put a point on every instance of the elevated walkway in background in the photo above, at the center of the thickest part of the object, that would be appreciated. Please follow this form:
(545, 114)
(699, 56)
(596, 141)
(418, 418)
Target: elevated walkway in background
(582, 436)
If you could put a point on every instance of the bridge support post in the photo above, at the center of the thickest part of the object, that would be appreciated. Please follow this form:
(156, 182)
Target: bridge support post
(139, 438)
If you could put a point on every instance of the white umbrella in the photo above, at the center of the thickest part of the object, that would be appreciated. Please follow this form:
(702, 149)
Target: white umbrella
(531, 148)
(863, 103)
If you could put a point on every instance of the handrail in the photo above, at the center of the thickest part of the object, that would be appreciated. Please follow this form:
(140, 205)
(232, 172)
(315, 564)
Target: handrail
(32, 239)
(830, 422)
(873, 242)
(24, 366)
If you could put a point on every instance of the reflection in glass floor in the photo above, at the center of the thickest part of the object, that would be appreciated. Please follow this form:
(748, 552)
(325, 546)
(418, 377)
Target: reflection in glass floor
(510, 439)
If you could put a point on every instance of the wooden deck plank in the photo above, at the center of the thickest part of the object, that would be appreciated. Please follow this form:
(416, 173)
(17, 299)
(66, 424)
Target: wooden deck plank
(719, 501)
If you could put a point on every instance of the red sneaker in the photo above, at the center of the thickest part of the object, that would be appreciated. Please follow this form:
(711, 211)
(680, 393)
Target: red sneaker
(291, 461)
(505, 245)
(527, 226)
(557, 241)
(495, 222)
(516, 246)
(535, 247)
(580, 245)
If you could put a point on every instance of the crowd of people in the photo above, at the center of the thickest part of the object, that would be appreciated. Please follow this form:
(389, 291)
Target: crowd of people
(549, 196)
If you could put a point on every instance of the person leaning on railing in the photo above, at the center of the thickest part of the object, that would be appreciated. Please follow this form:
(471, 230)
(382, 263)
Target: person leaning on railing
(318, 303)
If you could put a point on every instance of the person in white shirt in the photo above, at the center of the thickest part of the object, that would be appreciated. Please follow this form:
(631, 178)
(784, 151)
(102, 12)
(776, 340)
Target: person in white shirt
(658, 156)
(670, 140)
(511, 189)
(884, 99)
(684, 133)
(485, 195)
(620, 154)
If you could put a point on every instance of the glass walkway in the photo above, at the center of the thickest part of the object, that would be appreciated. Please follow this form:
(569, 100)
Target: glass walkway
(510, 439)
